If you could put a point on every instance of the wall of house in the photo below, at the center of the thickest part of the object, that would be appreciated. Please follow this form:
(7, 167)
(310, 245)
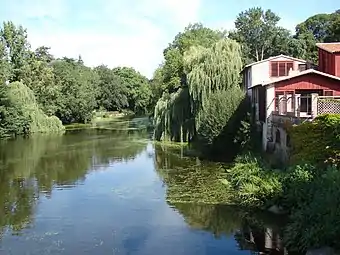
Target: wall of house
(281, 143)
(247, 76)
(261, 71)
(327, 62)
(270, 107)
(311, 82)
(337, 64)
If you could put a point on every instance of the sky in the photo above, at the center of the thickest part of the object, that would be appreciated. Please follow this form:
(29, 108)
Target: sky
(134, 32)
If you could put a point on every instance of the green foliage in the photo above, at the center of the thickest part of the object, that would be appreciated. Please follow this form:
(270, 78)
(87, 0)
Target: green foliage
(16, 49)
(295, 186)
(258, 32)
(20, 113)
(113, 90)
(212, 70)
(172, 118)
(322, 137)
(79, 90)
(309, 194)
(193, 35)
(211, 82)
(318, 28)
(12, 120)
(220, 122)
(254, 184)
(138, 90)
(314, 220)
(23, 98)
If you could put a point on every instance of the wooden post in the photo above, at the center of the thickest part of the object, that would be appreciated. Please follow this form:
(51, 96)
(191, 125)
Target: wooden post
(314, 105)
(297, 105)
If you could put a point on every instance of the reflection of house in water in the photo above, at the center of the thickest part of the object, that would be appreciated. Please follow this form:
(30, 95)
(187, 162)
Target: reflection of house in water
(264, 240)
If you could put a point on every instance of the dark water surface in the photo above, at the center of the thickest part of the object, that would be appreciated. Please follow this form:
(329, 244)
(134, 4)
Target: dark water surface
(100, 191)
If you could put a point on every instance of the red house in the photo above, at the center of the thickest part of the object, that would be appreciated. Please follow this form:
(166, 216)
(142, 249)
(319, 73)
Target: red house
(303, 93)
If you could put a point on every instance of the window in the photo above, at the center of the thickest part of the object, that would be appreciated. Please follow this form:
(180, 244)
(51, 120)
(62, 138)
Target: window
(277, 137)
(280, 68)
(277, 100)
(302, 67)
(329, 93)
(306, 103)
(275, 70)
(287, 103)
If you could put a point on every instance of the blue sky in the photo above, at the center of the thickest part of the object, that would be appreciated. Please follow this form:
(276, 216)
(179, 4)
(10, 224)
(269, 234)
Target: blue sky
(135, 32)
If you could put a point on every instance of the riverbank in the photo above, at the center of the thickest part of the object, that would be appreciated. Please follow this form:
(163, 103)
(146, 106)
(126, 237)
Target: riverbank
(306, 190)
(308, 195)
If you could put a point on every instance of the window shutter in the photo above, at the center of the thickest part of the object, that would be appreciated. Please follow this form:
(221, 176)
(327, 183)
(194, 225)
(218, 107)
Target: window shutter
(282, 69)
(274, 69)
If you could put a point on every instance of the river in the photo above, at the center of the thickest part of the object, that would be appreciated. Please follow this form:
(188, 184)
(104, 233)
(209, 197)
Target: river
(111, 190)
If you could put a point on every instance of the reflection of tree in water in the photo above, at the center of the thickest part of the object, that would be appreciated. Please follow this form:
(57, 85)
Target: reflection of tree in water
(33, 165)
(188, 180)
(217, 219)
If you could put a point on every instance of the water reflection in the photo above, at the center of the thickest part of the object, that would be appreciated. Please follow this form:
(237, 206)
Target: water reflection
(112, 199)
(34, 166)
(189, 180)
(253, 231)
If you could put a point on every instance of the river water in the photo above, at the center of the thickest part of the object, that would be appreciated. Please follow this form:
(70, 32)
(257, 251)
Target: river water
(112, 191)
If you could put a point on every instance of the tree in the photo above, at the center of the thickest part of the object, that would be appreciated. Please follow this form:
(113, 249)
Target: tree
(15, 48)
(113, 90)
(212, 85)
(257, 29)
(79, 89)
(317, 29)
(138, 89)
(193, 35)
(38, 75)
(42, 53)
(4, 64)
(157, 85)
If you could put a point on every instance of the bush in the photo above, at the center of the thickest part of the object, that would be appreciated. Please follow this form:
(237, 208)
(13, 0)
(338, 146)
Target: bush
(322, 137)
(221, 124)
(315, 221)
(254, 185)
(20, 113)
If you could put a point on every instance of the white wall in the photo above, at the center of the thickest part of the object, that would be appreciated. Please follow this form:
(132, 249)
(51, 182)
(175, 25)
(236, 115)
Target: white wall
(260, 72)
(270, 102)
(270, 107)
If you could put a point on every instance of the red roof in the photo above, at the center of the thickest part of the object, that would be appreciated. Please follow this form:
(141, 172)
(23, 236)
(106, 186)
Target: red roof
(330, 47)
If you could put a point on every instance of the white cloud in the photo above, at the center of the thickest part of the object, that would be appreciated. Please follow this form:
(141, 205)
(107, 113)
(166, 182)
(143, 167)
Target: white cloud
(130, 33)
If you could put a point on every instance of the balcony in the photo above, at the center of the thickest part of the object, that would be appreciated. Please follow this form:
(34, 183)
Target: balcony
(297, 109)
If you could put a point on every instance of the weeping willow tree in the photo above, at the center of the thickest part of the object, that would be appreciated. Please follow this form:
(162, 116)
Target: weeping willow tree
(173, 117)
(22, 98)
(209, 98)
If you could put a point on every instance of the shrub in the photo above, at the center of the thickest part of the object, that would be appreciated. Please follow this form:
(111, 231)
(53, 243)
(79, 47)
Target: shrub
(322, 137)
(314, 222)
(254, 185)
(222, 124)
(20, 113)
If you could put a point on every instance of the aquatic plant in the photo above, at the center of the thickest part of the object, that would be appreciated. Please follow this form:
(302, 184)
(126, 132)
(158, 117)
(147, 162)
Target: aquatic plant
(253, 183)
